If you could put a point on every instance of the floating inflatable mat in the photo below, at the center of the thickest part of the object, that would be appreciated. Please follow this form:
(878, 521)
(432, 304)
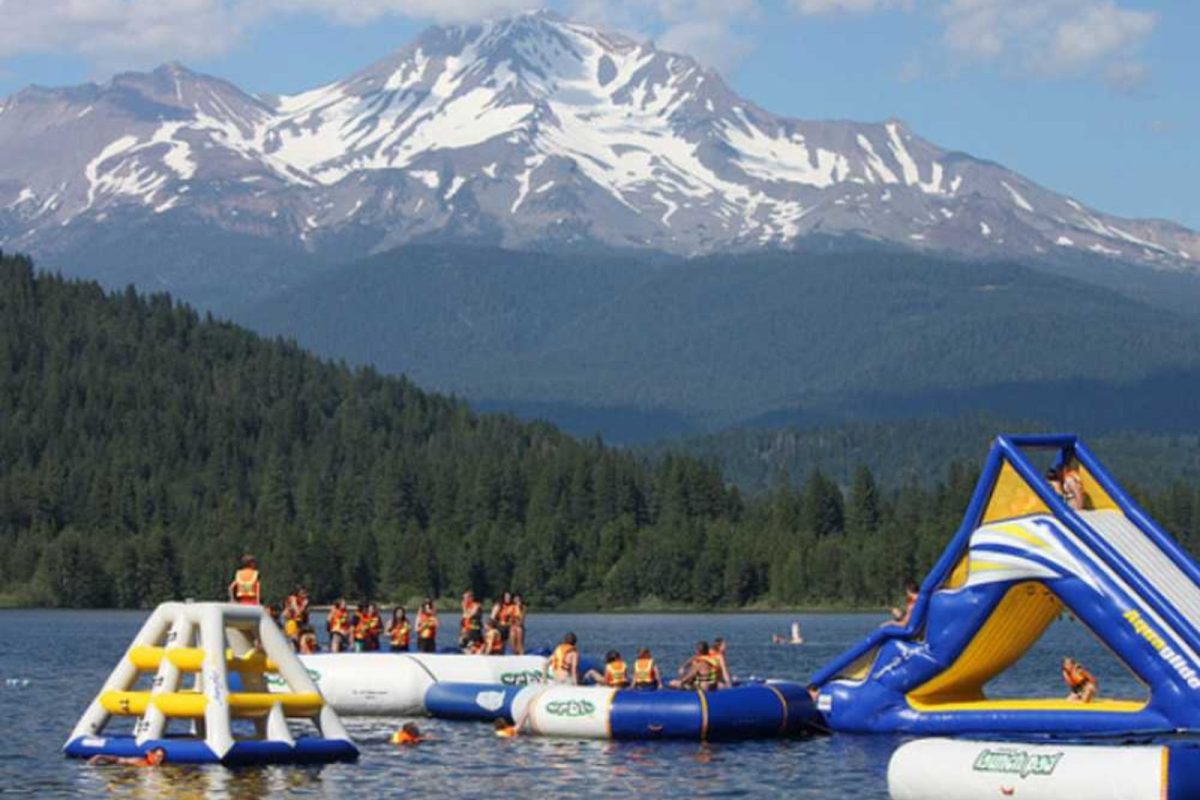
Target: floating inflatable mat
(951, 769)
(750, 711)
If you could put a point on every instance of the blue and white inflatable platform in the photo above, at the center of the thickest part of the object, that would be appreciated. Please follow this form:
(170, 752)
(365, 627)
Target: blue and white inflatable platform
(748, 711)
(1023, 557)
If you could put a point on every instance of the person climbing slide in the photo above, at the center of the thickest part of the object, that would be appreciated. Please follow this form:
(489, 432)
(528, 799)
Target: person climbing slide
(1081, 684)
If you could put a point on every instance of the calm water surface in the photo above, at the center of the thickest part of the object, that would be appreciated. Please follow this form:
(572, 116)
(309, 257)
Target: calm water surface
(65, 656)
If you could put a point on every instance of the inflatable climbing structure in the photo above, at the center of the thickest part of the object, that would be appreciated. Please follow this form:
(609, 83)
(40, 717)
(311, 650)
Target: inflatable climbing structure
(179, 669)
(1022, 557)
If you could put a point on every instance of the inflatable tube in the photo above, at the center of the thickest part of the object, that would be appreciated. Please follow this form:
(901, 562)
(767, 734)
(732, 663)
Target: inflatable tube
(379, 684)
(188, 750)
(751, 711)
(950, 769)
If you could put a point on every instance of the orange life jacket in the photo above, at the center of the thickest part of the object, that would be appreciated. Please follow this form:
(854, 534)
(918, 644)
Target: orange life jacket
(368, 626)
(644, 672)
(516, 615)
(707, 672)
(472, 619)
(507, 732)
(493, 643)
(558, 659)
(339, 621)
(401, 633)
(245, 586)
(616, 673)
(404, 737)
(1078, 677)
(427, 625)
(505, 615)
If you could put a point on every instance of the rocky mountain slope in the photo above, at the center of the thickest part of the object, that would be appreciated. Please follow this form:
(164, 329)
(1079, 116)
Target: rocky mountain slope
(529, 132)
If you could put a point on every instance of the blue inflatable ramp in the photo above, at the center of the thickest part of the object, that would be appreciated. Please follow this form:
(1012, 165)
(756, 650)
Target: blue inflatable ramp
(1024, 555)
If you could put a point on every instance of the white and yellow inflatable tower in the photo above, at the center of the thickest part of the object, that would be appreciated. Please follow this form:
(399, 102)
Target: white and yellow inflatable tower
(206, 664)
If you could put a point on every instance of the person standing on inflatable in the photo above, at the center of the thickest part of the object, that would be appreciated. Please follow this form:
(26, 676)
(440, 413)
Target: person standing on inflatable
(563, 666)
(245, 587)
(400, 630)
(472, 622)
(337, 624)
(427, 625)
(516, 625)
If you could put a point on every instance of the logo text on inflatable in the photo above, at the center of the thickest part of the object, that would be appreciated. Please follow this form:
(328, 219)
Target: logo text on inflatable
(570, 708)
(1165, 651)
(521, 677)
(1016, 762)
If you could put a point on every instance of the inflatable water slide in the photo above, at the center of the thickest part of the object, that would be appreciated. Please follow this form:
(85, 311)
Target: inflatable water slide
(1022, 558)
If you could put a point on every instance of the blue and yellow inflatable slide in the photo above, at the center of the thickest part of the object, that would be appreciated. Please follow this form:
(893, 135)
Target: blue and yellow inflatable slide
(1022, 557)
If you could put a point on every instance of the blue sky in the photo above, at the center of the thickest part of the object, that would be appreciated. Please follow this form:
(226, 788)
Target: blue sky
(1094, 98)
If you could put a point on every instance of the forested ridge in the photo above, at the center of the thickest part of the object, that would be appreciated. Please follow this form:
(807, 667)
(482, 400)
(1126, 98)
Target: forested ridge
(144, 447)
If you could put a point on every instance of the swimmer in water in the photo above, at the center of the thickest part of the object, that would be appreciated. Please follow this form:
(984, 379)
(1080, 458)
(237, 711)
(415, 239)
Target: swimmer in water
(154, 757)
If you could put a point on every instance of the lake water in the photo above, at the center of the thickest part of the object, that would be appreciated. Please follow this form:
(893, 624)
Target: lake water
(66, 655)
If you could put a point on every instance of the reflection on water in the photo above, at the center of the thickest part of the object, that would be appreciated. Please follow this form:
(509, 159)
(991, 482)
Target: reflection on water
(67, 655)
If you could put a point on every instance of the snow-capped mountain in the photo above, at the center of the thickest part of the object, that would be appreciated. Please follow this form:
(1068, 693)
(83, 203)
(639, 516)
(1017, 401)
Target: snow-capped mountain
(529, 131)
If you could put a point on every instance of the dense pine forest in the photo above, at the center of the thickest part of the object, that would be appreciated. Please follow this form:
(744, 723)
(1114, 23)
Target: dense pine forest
(144, 447)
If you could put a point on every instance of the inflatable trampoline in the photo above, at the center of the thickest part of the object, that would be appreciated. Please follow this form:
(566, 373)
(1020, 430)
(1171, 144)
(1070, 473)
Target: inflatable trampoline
(949, 769)
(1022, 557)
(750, 711)
(390, 684)
(198, 643)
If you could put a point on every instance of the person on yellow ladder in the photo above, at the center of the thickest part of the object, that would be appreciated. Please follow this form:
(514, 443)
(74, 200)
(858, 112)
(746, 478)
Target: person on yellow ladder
(246, 588)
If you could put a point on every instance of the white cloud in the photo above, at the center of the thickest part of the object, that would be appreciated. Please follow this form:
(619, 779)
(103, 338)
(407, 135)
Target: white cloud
(115, 33)
(850, 6)
(707, 30)
(1050, 37)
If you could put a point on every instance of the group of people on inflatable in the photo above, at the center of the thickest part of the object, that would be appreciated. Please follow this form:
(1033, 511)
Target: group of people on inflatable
(362, 629)
(706, 670)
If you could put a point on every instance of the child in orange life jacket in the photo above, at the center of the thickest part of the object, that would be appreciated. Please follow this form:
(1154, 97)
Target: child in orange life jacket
(308, 642)
(427, 626)
(503, 729)
(563, 665)
(616, 673)
(154, 757)
(492, 643)
(246, 588)
(701, 672)
(338, 625)
(400, 630)
(645, 671)
(408, 735)
(1081, 684)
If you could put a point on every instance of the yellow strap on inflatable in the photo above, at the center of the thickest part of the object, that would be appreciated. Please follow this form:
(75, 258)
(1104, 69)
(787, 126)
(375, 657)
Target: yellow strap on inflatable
(191, 659)
(191, 705)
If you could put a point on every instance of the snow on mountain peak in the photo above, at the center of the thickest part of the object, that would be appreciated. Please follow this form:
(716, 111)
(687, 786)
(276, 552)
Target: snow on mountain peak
(528, 129)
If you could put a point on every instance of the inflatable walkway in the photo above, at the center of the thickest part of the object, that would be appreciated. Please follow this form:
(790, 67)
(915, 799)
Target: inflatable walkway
(391, 684)
(203, 645)
(751, 711)
(1021, 558)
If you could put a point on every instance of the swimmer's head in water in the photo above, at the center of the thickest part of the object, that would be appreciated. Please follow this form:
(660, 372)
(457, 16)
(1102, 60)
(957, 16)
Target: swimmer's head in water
(156, 756)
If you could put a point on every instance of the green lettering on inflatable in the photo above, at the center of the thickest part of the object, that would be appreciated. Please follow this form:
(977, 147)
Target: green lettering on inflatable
(1016, 762)
(570, 708)
(521, 677)
(272, 679)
